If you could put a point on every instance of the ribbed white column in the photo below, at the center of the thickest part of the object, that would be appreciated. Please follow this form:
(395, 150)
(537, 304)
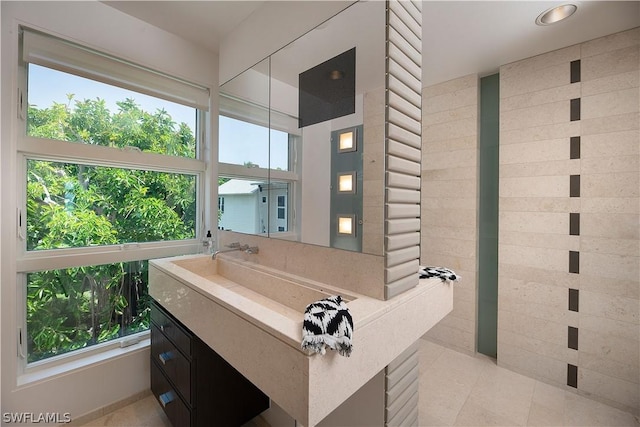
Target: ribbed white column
(401, 388)
(403, 156)
(403, 141)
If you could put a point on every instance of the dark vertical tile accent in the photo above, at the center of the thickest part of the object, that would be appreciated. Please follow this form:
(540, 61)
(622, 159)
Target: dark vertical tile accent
(572, 339)
(574, 185)
(575, 71)
(575, 109)
(574, 300)
(574, 224)
(572, 375)
(575, 147)
(574, 262)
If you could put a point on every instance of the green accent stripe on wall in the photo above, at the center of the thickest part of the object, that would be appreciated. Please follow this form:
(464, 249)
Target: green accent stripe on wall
(488, 216)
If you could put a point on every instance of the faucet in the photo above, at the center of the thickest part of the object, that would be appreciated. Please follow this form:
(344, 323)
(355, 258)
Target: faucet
(236, 247)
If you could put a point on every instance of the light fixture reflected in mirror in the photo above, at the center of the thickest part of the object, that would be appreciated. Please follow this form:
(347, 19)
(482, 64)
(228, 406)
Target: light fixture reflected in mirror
(347, 182)
(346, 224)
(347, 141)
(336, 75)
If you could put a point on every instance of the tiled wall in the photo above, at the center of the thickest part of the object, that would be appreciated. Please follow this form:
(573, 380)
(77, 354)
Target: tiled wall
(449, 202)
(354, 271)
(569, 253)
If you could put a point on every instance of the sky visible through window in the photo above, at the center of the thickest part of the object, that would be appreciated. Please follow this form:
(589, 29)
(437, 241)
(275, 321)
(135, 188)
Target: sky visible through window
(244, 142)
(47, 86)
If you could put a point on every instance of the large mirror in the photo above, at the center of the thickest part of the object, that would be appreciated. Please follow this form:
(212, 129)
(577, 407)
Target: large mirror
(301, 145)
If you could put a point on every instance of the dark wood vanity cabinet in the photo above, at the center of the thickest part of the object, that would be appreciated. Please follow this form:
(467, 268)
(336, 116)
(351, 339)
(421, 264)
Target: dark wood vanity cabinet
(193, 384)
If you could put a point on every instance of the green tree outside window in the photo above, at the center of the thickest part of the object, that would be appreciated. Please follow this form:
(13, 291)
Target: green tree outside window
(73, 205)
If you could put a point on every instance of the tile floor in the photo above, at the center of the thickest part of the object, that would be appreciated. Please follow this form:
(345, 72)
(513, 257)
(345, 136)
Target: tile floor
(455, 389)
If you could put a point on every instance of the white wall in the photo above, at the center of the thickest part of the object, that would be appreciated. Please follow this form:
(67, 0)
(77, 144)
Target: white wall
(92, 387)
(240, 213)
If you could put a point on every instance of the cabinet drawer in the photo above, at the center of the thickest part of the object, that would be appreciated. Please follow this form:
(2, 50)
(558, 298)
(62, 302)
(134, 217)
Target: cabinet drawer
(171, 362)
(171, 329)
(177, 411)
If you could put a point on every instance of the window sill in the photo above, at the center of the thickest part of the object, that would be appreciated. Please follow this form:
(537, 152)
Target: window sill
(52, 370)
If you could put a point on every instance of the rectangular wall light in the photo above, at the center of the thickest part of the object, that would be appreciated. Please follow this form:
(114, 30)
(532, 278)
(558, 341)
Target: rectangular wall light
(346, 224)
(347, 182)
(347, 141)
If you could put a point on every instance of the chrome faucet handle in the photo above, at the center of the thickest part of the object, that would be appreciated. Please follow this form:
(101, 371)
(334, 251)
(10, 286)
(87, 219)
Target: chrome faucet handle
(252, 250)
(234, 245)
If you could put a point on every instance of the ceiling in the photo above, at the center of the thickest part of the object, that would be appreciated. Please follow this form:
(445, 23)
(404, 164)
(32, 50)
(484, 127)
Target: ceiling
(464, 37)
(459, 37)
(205, 22)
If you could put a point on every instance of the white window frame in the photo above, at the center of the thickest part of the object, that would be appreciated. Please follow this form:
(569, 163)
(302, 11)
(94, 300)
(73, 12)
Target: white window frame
(75, 59)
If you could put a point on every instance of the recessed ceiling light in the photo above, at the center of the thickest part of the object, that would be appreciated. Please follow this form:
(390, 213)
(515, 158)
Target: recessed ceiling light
(556, 14)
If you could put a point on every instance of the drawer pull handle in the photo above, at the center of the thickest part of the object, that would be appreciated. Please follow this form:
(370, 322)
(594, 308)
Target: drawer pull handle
(166, 398)
(165, 357)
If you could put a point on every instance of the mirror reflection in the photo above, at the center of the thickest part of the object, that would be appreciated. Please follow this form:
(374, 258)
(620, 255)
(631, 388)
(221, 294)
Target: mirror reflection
(283, 126)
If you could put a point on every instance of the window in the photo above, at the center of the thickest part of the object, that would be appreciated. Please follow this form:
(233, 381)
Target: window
(82, 110)
(71, 205)
(113, 176)
(100, 303)
(281, 207)
(252, 157)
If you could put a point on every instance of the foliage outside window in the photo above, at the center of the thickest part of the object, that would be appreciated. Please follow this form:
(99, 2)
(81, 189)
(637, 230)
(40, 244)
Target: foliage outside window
(73, 308)
(75, 204)
(71, 205)
(90, 119)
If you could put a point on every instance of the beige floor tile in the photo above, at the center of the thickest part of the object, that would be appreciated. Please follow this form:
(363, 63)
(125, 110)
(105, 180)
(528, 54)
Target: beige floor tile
(143, 413)
(427, 419)
(582, 411)
(429, 353)
(455, 389)
(441, 400)
(550, 397)
(547, 406)
(541, 415)
(445, 385)
(475, 415)
(458, 367)
(505, 393)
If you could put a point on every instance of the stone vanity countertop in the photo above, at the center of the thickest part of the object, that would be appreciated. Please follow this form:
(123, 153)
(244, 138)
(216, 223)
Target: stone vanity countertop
(199, 273)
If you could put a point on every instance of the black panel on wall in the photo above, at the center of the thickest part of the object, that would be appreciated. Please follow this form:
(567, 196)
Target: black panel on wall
(572, 375)
(328, 90)
(574, 300)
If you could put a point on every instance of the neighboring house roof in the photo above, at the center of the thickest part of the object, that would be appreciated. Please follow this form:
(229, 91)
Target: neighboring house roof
(238, 186)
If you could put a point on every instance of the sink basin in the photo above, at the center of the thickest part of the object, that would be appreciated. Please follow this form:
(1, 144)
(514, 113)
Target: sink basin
(252, 315)
(271, 288)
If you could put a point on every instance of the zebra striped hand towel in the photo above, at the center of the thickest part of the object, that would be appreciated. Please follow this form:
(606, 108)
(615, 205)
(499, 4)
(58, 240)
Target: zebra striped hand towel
(444, 274)
(327, 323)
